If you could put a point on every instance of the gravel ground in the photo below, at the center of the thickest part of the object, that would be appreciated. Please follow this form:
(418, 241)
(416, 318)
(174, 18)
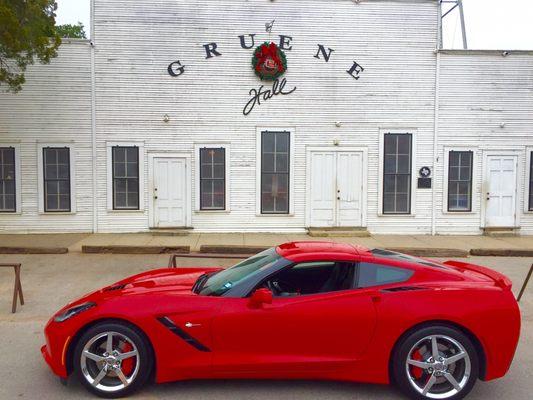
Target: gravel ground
(51, 281)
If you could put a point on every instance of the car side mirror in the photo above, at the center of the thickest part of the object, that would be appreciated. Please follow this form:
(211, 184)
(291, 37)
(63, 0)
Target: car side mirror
(260, 297)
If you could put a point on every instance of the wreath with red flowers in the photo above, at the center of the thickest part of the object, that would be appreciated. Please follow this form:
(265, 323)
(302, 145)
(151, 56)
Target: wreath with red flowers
(269, 61)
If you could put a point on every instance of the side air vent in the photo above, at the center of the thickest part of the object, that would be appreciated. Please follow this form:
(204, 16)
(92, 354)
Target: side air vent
(403, 289)
(115, 287)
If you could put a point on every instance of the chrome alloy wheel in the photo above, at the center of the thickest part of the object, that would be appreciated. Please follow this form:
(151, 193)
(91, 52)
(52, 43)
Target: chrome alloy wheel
(438, 367)
(110, 361)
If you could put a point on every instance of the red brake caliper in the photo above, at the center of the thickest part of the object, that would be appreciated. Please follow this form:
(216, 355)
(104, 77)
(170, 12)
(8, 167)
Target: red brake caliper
(416, 371)
(128, 363)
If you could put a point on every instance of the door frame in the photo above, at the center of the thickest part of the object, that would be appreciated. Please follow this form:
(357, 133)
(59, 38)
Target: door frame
(188, 185)
(364, 178)
(484, 184)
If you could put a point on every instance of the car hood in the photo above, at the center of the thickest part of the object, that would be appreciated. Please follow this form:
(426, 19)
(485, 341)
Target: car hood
(175, 279)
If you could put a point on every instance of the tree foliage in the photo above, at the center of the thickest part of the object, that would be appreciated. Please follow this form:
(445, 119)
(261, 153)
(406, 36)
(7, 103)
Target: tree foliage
(71, 31)
(27, 34)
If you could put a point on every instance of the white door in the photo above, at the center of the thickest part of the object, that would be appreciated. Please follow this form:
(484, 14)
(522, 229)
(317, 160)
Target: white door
(323, 189)
(349, 175)
(501, 191)
(170, 192)
(335, 188)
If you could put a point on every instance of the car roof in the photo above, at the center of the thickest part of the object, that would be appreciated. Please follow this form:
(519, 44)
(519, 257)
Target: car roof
(297, 251)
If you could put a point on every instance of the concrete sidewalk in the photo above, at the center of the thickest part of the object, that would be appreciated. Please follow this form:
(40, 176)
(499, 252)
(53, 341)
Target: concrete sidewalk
(146, 243)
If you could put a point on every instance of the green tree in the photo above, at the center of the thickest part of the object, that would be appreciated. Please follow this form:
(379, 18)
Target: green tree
(27, 33)
(71, 31)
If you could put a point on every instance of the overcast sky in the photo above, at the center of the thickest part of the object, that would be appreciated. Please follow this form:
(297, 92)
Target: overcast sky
(490, 24)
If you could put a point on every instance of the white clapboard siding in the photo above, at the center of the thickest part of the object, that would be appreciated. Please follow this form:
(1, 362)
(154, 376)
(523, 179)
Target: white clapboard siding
(479, 91)
(54, 106)
(394, 40)
(135, 41)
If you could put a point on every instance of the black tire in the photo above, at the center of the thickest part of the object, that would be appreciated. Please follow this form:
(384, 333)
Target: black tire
(145, 358)
(405, 345)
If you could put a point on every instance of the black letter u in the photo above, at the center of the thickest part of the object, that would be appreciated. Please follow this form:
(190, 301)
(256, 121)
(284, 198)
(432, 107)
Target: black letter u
(243, 41)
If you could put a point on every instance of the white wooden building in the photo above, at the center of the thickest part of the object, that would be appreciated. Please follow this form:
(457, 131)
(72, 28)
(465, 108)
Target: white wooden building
(154, 124)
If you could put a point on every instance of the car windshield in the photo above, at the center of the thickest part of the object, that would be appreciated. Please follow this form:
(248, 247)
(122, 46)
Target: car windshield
(221, 282)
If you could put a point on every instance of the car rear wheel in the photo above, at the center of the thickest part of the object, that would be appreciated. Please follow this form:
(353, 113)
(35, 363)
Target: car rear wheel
(112, 360)
(436, 362)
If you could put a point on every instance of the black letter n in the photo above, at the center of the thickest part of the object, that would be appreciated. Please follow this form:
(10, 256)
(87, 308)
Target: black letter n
(322, 50)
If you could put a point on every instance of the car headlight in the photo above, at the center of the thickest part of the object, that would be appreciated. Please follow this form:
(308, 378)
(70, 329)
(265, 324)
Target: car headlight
(69, 313)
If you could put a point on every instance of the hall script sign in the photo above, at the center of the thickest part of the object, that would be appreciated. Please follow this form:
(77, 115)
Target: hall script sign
(247, 42)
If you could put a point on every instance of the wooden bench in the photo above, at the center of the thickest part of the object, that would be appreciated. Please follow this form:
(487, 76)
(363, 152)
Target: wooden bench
(17, 291)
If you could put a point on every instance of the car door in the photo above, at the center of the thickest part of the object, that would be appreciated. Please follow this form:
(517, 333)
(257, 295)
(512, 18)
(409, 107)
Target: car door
(293, 336)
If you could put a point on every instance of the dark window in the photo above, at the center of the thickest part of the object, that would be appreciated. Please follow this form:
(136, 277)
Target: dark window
(460, 181)
(125, 178)
(397, 174)
(530, 208)
(7, 180)
(56, 164)
(275, 157)
(212, 179)
(369, 274)
(311, 278)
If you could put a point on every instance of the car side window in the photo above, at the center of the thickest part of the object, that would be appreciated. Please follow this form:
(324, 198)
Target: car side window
(370, 274)
(311, 278)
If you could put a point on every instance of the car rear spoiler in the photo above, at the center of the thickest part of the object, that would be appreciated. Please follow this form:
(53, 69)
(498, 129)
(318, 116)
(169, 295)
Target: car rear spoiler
(499, 279)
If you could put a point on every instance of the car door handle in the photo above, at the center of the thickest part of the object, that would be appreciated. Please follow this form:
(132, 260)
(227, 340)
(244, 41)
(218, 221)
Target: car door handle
(191, 325)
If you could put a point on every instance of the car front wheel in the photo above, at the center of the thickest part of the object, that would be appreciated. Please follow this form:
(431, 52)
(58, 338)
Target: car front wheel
(112, 360)
(436, 362)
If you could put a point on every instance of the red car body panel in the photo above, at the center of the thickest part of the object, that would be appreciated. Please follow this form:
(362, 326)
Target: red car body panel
(343, 335)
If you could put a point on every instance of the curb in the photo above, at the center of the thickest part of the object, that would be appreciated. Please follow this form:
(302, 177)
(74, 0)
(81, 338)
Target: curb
(118, 249)
(502, 252)
(430, 252)
(33, 250)
(223, 249)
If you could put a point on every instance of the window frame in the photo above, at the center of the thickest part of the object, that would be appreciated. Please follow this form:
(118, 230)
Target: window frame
(227, 150)
(528, 205)
(18, 204)
(381, 163)
(469, 209)
(259, 164)
(113, 178)
(72, 177)
(109, 180)
(445, 178)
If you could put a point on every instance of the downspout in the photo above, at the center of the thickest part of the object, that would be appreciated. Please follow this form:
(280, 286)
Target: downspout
(436, 121)
(93, 124)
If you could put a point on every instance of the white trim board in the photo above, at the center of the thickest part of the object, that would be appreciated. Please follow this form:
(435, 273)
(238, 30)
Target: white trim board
(292, 139)
(18, 179)
(188, 178)
(364, 178)
(109, 173)
(490, 152)
(474, 194)
(227, 176)
(414, 133)
(40, 176)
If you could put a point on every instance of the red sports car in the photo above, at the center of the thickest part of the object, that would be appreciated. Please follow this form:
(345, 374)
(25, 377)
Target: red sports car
(305, 310)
